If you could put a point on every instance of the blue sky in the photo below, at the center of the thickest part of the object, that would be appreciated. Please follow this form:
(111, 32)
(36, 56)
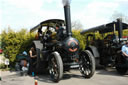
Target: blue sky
(19, 14)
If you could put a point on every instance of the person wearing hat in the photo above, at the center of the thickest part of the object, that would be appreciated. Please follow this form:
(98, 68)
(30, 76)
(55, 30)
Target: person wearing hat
(125, 49)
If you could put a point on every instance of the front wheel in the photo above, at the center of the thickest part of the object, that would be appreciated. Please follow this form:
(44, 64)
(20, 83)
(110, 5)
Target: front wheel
(87, 64)
(55, 67)
(121, 65)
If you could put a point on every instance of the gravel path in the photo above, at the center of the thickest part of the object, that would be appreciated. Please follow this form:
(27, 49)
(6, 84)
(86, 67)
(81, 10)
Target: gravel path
(101, 77)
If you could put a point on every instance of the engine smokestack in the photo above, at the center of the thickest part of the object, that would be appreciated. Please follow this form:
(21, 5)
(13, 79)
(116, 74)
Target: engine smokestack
(66, 4)
(120, 28)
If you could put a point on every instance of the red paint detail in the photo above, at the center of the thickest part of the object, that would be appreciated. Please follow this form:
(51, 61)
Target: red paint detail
(125, 36)
(72, 50)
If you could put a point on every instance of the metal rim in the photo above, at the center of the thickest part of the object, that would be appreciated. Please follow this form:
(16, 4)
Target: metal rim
(85, 66)
(53, 70)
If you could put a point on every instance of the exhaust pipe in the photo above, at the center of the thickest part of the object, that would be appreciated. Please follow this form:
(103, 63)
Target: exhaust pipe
(66, 4)
(120, 28)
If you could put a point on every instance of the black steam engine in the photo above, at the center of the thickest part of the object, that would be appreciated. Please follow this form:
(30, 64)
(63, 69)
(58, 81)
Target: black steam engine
(107, 47)
(57, 51)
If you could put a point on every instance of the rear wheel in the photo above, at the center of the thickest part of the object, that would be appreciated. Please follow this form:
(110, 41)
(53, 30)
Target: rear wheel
(87, 64)
(55, 67)
(121, 65)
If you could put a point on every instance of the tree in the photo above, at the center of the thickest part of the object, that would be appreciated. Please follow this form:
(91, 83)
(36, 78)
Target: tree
(76, 25)
(119, 15)
(80, 38)
(14, 43)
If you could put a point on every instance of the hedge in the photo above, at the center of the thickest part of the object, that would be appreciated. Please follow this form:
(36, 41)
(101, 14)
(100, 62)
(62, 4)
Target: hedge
(80, 38)
(14, 43)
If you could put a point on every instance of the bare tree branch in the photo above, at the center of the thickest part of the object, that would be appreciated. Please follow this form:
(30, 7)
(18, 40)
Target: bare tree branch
(77, 25)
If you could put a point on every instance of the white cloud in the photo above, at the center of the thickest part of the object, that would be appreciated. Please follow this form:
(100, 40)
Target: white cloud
(26, 4)
(49, 1)
(93, 13)
(0, 19)
(96, 13)
(34, 8)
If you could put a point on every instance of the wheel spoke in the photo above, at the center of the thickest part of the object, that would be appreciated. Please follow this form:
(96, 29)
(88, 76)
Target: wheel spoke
(53, 70)
(86, 64)
(55, 67)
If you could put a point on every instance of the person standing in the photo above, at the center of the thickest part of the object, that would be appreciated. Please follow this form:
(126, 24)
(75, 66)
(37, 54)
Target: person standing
(32, 61)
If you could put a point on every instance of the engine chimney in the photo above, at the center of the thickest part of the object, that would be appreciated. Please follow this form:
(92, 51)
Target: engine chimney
(67, 18)
(120, 28)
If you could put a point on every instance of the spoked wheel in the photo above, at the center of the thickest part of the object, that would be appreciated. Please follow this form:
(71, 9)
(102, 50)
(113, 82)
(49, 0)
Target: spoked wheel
(87, 64)
(121, 65)
(55, 67)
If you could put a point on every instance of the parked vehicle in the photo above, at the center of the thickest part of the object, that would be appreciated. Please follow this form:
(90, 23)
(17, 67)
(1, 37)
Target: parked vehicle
(22, 63)
(57, 51)
(107, 48)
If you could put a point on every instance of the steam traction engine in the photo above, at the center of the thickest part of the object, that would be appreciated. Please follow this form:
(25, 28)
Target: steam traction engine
(63, 53)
